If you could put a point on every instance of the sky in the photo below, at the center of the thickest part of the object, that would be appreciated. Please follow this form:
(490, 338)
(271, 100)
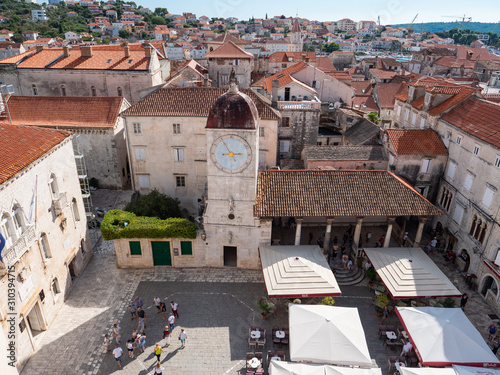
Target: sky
(390, 11)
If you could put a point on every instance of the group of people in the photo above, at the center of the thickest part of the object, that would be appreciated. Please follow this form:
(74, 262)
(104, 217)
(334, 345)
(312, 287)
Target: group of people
(138, 336)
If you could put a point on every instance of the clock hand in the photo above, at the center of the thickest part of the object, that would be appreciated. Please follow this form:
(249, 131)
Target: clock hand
(225, 145)
(231, 154)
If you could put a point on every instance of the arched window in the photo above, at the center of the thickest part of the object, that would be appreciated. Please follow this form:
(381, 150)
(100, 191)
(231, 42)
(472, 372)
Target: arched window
(63, 90)
(478, 229)
(119, 90)
(34, 90)
(473, 226)
(44, 245)
(54, 189)
(74, 208)
(93, 91)
(54, 287)
(18, 219)
(7, 230)
(483, 234)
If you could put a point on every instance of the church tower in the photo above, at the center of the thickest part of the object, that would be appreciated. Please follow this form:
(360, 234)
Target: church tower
(232, 233)
(296, 43)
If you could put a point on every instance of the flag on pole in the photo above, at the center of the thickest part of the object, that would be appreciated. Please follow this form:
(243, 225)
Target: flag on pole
(32, 205)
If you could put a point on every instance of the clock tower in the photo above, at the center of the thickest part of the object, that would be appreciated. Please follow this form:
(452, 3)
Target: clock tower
(232, 233)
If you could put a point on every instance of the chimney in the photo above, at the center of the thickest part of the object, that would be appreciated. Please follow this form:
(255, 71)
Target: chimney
(274, 95)
(86, 51)
(147, 51)
(126, 48)
(205, 80)
(66, 51)
(39, 48)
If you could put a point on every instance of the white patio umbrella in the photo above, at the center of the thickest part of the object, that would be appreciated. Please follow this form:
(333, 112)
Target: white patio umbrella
(466, 370)
(327, 334)
(445, 336)
(427, 371)
(291, 368)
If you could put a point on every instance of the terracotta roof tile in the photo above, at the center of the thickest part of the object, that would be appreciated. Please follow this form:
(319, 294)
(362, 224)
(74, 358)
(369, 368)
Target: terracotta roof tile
(295, 56)
(192, 102)
(22, 145)
(478, 118)
(416, 142)
(229, 50)
(16, 58)
(65, 111)
(464, 94)
(362, 88)
(284, 77)
(386, 93)
(337, 193)
(384, 74)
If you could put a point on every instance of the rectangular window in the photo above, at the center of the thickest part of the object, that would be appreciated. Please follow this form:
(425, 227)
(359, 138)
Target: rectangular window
(407, 114)
(186, 248)
(426, 166)
(459, 213)
(399, 110)
(285, 122)
(468, 181)
(261, 132)
(176, 128)
(236, 62)
(451, 170)
(137, 128)
(180, 181)
(178, 154)
(140, 154)
(135, 247)
(284, 146)
(476, 149)
(497, 162)
(422, 122)
(488, 197)
(144, 182)
(414, 118)
(459, 139)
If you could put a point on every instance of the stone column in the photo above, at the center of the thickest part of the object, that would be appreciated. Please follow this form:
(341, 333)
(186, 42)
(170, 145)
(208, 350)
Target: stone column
(298, 230)
(357, 230)
(420, 229)
(390, 223)
(328, 234)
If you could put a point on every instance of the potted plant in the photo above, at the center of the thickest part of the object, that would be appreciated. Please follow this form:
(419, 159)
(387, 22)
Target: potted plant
(328, 301)
(382, 300)
(264, 307)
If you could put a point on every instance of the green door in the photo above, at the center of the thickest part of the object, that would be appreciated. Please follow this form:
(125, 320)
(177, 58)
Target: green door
(161, 253)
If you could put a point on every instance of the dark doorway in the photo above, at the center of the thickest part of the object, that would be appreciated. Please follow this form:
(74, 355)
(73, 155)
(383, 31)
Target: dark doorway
(287, 94)
(72, 270)
(489, 284)
(161, 253)
(230, 259)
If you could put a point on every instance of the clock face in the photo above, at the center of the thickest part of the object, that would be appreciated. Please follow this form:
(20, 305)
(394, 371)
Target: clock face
(231, 154)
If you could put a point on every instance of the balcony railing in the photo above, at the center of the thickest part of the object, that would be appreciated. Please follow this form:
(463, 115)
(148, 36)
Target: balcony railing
(299, 105)
(12, 254)
(60, 203)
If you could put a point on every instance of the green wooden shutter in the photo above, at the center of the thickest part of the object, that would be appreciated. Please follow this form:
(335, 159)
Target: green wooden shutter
(135, 248)
(186, 248)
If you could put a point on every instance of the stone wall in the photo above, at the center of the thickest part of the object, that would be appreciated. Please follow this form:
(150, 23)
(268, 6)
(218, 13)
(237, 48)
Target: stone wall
(303, 131)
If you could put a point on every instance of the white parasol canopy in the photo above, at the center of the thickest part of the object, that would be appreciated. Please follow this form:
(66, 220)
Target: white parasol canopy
(426, 371)
(466, 370)
(327, 334)
(291, 368)
(297, 271)
(408, 272)
(445, 336)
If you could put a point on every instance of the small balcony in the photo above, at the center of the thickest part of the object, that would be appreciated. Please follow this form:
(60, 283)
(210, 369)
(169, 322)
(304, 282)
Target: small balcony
(299, 105)
(60, 203)
(12, 254)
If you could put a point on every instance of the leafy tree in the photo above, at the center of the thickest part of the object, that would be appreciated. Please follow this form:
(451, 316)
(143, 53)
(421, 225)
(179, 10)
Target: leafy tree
(373, 117)
(282, 17)
(158, 20)
(161, 11)
(331, 47)
(123, 33)
(155, 204)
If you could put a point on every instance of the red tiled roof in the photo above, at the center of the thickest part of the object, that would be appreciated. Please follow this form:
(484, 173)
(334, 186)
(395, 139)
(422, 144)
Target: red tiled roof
(16, 58)
(102, 59)
(416, 142)
(362, 88)
(364, 104)
(384, 74)
(192, 102)
(465, 93)
(451, 62)
(65, 111)
(386, 93)
(229, 50)
(284, 77)
(296, 26)
(478, 118)
(337, 193)
(22, 145)
(295, 56)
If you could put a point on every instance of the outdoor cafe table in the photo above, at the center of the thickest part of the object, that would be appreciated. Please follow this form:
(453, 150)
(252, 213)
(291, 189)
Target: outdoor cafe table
(399, 364)
(404, 334)
(280, 334)
(391, 335)
(276, 358)
(255, 334)
(254, 362)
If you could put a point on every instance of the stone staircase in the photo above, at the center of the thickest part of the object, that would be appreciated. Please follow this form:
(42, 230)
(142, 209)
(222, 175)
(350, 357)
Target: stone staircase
(345, 277)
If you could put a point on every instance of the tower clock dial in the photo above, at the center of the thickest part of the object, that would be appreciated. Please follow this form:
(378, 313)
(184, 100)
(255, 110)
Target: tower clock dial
(231, 153)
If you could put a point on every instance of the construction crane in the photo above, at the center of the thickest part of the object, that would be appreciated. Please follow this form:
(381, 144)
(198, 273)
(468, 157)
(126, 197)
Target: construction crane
(412, 22)
(461, 20)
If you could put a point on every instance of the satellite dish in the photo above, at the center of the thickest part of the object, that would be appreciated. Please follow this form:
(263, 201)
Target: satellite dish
(337, 105)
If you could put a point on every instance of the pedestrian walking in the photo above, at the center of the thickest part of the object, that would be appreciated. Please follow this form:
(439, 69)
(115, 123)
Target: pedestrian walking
(142, 320)
(405, 238)
(141, 342)
(134, 334)
(434, 243)
(166, 336)
(163, 308)
(158, 368)
(158, 350)
(138, 302)
(345, 259)
(385, 314)
(171, 322)
(463, 301)
(492, 330)
(349, 265)
(183, 337)
(175, 309)
(106, 343)
(130, 348)
(156, 302)
(141, 326)
(116, 333)
(132, 309)
(368, 237)
(117, 354)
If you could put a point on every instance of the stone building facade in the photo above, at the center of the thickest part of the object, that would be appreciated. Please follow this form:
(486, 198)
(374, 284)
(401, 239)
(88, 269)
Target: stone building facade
(46, 234)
